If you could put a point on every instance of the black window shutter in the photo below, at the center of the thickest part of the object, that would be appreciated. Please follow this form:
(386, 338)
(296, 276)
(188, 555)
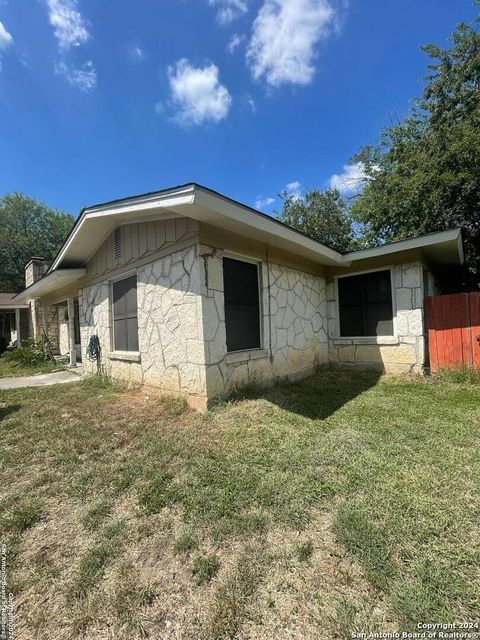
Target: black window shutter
(365, 305)
(125, 321)
(242, 305)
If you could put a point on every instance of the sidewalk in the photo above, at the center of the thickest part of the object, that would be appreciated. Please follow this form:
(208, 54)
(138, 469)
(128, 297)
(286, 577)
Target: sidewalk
(42, 379)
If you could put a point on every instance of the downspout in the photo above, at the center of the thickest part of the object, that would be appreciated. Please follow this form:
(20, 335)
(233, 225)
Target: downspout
(269, 307)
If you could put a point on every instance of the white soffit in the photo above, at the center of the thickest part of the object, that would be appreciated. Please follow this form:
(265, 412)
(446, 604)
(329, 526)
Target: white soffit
(49, 283)
(204, 205)
(444, 247)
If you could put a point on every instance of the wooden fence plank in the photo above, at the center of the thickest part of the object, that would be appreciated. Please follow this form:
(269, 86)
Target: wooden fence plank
(440, 331)
(453, 325)
(475, 327)
(466, 335)
(458, 319)
(432, 333)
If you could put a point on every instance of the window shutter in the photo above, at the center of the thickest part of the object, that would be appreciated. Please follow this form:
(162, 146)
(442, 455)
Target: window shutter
(242, 305)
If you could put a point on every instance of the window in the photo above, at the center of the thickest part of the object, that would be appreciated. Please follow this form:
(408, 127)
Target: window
(365, 304)
(76, 321)
(242, 310)
(125, 325)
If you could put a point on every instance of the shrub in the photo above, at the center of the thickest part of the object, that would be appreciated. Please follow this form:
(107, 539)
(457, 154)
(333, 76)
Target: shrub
(32, 353)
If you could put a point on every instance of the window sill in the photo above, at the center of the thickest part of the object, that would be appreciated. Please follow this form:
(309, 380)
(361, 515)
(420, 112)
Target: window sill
(367, 340)
(245, 356)
(127, 356)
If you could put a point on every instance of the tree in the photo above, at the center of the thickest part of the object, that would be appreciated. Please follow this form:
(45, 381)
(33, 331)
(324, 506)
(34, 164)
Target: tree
(424, 174)
(323, 215)
(27, 228)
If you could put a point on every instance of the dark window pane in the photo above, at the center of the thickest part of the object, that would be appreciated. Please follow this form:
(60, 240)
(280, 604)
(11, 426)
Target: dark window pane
(120, 333)
(365, 304)
(242, 312)
(351, 321)
(125, 323)
(132, 334)
(131, 298)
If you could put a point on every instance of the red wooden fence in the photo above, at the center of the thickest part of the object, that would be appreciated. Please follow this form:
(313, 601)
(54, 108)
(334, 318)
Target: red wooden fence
(453, 324)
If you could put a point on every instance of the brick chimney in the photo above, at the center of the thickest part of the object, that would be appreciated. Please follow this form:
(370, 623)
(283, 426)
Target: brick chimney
(35, 269)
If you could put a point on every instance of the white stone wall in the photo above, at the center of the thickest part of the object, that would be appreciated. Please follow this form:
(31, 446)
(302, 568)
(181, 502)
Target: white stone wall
(405, 350)
(63, 341)
(171, 348)
(181, 324)
(294, 337)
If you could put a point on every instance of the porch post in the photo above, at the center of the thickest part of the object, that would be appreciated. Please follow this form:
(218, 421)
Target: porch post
(71, 332)
(17, 325)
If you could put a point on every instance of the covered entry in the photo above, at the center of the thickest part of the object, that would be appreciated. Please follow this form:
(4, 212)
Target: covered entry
(13, 321)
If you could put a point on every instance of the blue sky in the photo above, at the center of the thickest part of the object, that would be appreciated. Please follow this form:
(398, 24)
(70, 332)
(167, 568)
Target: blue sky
(102, 99)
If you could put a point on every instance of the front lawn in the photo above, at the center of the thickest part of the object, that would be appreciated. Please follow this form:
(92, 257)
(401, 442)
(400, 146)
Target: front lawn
(9, 369)
(314, 509)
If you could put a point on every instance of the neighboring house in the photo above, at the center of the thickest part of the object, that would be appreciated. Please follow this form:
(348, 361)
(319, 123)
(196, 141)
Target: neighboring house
(14, 321)
(196, 294)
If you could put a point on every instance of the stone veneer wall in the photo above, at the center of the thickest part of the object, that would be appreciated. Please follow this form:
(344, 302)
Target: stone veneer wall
(170, 331)
(50, 313)
(294, 337)
(63, 340)
(405, 351)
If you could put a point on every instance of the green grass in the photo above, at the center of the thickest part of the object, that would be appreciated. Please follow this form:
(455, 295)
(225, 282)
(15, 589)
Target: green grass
(339, 503)
(366, 543)
(22, 516)
(16, 369)
(204, 568)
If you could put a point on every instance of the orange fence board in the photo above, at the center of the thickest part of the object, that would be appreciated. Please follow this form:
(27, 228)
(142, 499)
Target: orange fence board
(453, 330)
(475, 328)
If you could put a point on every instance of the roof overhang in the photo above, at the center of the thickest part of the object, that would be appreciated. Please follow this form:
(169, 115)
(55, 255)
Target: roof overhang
(192, 201)
(13, 306)
(49, 283)
(442, 247)
(200, 203)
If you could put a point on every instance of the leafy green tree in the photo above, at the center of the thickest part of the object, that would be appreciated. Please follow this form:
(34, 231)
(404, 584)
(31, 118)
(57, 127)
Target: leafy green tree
(323, 215)
(424, 174)
(27, 228)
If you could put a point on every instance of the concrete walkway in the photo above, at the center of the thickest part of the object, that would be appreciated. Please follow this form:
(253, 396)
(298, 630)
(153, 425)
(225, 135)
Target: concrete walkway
(41, 379)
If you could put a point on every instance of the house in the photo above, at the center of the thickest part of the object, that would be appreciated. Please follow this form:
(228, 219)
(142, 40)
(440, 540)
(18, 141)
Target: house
(194, 293)
(14, 321)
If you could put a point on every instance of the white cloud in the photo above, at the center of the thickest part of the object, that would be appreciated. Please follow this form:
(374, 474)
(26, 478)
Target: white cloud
(68, 24)
(351, 179)
(285, 34)
(228, 10)
(251, 103)
(6, 40)
(198, 93)
(84, 77)
(294, 189)
(235, 41)
(137, 54)
(261, 202)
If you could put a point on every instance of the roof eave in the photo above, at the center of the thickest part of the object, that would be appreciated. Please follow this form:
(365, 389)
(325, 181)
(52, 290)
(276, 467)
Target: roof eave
(50, 282)
(450, 239)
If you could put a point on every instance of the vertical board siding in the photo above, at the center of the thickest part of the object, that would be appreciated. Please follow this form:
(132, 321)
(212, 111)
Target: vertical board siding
(453, 325)
(137, 240)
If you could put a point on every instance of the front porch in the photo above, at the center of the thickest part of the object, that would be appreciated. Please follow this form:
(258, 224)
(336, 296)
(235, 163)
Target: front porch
(14, 322)
(60, 325)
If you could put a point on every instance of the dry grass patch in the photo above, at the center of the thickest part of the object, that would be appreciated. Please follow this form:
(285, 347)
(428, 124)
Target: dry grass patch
(340, 503)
